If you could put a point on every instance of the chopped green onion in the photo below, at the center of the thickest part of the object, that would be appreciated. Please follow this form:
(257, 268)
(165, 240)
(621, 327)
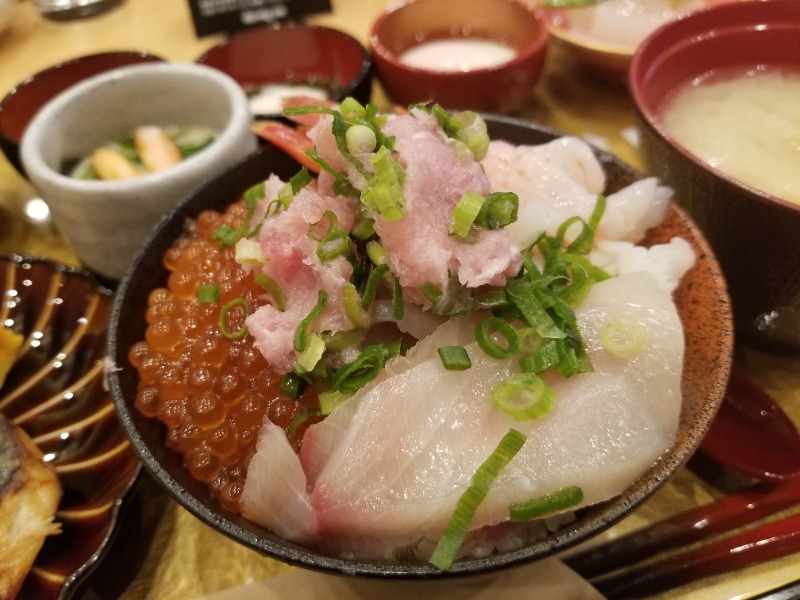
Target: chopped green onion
(312, 354)
(499, 209)
(546, 356)
(208, 293)
(493, 299)
(371, 286)
(549, 503)
(329, 400)
(223, 318)
(301, 417)
(301, 333)
(454, 358)
(624, 338)
(227, 235)
(385, 191)
(484, 334)
(353, 307)
(447, 548)
(300, 180)
(464, 214)
(377, 253)
(398, 306)
(353, 376)
(274, 290)
(326, 225)
(292, 385)
(524, 397)
(363, 227)
(569, 3)
(431, 292)
(473, 133)
(248, 251)
(360, 139)
(350, 108)
(340, 340)
(336, 243)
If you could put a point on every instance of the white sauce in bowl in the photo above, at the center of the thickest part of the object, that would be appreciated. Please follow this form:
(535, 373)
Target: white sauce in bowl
(457, 55)
(747, 126)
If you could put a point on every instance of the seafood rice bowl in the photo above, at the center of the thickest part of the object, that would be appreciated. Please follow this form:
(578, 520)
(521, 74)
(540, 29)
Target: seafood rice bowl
(423, 352)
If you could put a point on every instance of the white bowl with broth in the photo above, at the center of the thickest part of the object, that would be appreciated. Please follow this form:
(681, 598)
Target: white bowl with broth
(700, 85)
(107, 220)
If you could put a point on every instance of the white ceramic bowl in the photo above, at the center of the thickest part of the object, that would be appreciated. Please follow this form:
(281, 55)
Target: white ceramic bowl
(106, 221)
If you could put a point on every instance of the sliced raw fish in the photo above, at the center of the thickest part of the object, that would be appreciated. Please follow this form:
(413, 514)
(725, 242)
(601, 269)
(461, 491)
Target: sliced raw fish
(561, 179)
(388, 465)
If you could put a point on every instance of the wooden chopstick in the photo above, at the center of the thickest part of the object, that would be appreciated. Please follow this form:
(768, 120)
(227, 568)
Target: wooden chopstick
(760, 544)
(608, 566)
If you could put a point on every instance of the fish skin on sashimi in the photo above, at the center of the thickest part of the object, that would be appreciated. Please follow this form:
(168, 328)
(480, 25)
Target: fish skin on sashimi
(393, 463)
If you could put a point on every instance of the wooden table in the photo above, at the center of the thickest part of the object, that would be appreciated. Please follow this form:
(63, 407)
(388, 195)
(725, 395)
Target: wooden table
(163, 551)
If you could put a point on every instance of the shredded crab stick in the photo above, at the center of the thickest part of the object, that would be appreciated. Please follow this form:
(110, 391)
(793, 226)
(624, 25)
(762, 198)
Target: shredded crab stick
(295, 143)
(156, 149)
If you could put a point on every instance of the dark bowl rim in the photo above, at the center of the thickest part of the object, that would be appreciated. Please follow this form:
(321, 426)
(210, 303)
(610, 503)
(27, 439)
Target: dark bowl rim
(535, 48)
(364, 70)
(263, 541)
(638, 77)
(18, 87)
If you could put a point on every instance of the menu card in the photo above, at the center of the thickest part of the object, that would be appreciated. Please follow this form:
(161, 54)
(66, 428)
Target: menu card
(227, 16)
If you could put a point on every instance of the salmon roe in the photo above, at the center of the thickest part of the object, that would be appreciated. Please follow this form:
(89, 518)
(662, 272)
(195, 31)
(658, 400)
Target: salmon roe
(212, 392)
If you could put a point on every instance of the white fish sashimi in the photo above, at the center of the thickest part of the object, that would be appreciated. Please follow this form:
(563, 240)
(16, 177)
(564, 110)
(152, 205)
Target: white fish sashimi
(667, 263)
(561, 179)
(390, 463)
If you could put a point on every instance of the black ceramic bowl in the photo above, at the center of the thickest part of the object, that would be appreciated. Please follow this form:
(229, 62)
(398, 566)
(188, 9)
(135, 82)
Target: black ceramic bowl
(703, 304)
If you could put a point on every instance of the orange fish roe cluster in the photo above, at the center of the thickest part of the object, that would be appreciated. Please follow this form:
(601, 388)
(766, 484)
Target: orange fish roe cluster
(211, 392)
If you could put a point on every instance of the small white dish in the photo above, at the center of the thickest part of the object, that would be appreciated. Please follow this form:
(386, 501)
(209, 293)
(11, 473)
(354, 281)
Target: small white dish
(106, 221)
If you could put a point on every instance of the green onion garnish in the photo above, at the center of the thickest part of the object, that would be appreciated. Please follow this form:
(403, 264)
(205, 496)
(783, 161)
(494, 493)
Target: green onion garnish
(292, 385)
(371, 286)
(454, 358)
(385, 191)
(360, 139)
(353, 376)
(240, 303)
(353, 307)
(274, 290)
(458, 526)
(524, 397)
(336, 243)
(301, 417)
(313, 352)
(624, 338)
(549, 503)
(301, 333)
(485, 334)
(498, 210)
(329, 400)
(208, 293)
(228, 236)
(431, 292)
(464, 214)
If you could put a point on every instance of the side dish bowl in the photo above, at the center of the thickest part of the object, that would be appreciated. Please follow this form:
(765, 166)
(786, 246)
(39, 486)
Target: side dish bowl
(498, 87)
(703, 306)
(26, 98)
(271, 62)
(753, 233)
(604, 37)
(107, 220)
